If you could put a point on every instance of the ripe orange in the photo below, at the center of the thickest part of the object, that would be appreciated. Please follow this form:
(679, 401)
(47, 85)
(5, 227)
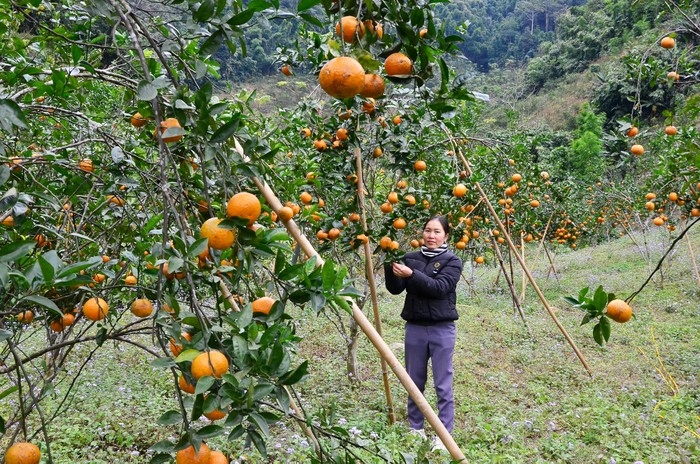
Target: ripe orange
(479, 260)
(399, 223)
(420, 165)
(415, 243)
(59, 324)
(341, 134)
(342, 77)
(401, 183)
(9, 221)
(659, 221)
(142, 307)
(285, 213)
(393, 197)
(374, 86)
(673, 76)
(673, 196)
(217, 457)
(130, 280)
(632, 131)
(189, 456)
(219, 238)
(306, 132)
(321, 235)
(352, 28)
(244, 205)
(423, 32)
(185, 385)
(210, 363)
(619, 311)
(23, 453)
(176, 348)
(86, 165)
(671, 130)
(459, 190)
(637, 150)
(334, 233)
(386, 208)
(374, 27)
(398, 64)
(263, 305)
(305, 198)
(137, 120)
(286, 70)
(650, 196)
(115, 200)
(668, 42)
(410, 200)
(95, 309)
(377, 152)
(354, 217)
(534, 203)
(397, 120)
(461, 245)
(385, 242)
(215, 415)
(165, 125)
(320, 145)
(369, 105)
(650, 205)
(695, 212)
(516, 178)
(362, 238)
(25, 317)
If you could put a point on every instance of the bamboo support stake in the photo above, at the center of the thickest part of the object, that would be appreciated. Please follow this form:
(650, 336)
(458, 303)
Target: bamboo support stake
(524, 281)
(536, 287)
(516, 303)
(692, 259)
(299, 415)
(369, 271)
(367, 327)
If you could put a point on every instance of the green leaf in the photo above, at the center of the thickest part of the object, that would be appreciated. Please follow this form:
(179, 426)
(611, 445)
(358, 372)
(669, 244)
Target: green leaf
(47, 270)
(163, 446)
(205, 11)
(187, 355)
(241, 18)
(5, 334)
(328, 275)
(213, 42)
(170, 418)
(297, 375)
(260, 422)
(588, 317)
(9, 199)
(224, 132)
(163, 363)
(8, 391)
(209, 431)
(15, 250)
(45, 302)
(204, 384)
(582, 293)
(77, 267)
(600, 299)
(161, 458)
(605, 328)
(11, 115)
(4, 174)
(2, 424)
(571, 300)
(197, 247)
(307, 4)
(258, 441)
(598, 334)
(146, 91)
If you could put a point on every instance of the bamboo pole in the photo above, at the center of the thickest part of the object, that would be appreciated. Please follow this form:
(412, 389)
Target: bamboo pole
(369, 271)
(530, 278)
(366, 326)
(692, 259)
(516, 303)
(524, 279)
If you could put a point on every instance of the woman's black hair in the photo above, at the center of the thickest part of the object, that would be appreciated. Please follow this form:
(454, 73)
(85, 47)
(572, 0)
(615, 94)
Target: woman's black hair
(443, 222)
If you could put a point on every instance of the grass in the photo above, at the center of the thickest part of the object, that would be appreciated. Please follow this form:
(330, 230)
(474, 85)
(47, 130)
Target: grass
(522, 395)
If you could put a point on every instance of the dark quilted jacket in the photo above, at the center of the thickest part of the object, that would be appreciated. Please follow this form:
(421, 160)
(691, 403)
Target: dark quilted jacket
(431, 293)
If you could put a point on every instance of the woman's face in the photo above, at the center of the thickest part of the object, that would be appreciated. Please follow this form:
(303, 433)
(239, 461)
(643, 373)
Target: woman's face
(433, 234)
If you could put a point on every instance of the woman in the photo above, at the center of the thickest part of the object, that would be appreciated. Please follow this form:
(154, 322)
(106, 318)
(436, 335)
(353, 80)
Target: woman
(430, 278)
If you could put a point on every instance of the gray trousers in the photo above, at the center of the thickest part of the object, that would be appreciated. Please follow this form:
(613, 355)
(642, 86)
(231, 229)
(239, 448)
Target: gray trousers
(437, 343)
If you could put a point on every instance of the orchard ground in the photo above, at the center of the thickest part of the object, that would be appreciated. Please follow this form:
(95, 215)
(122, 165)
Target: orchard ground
(519, 398)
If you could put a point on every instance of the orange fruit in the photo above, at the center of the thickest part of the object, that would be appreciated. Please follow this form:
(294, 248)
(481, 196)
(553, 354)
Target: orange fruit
(423, 32)
(415, 243)
(86, 165)
(619, 311)
(306, 132)
(341, 134)
(459, 190)
(263, 305)
(402, 184)
(534, 203)
(285, 213)
(352, 28)
(410, 200)
(658, 221)
(334, 233)
(286, 70)
(165, 125)
(23, 453)
(142, 307)
(185, 385)
(320, 145)
(397, 120)
(632, 131)
(25, 317)
(516, 178)
(244, 205)
(650, 205)
(420, 165)
(393, 197)
(137, 120)
(95, 309)
(673, 76)
(650, 196)
(169, 275)
(377, 152)
(369, 106)
(637, 150)
(354, 217)
(695, 212)
(399, 223)
(59, 324)
(115, 200)
(176, 348)
(668, 42)
(189, 456)
(321, 235)
(673, 196)
(671, 130)
(130, 280)
(385, 242)
(479, 260)
(342, 77)
(210, 363)
(215, 415)
(217, 457)
(386, 208)
(219, 238)
(461, 245)
(374, 86)
(99, 278)
(305, 198)
(374, 28)
(105, 258)
(398, 64)
(362, 238)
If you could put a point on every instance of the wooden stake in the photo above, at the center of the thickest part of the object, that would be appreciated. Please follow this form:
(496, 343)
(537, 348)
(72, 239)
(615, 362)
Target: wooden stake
(516, 303)
(369, 272)
(692, 260)
(524, 281)
(381, 346)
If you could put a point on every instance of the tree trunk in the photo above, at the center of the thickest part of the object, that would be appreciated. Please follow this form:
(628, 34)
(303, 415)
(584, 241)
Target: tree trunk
(351, 361)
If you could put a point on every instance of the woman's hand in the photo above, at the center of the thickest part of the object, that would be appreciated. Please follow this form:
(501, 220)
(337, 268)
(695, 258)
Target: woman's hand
(401, 270)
